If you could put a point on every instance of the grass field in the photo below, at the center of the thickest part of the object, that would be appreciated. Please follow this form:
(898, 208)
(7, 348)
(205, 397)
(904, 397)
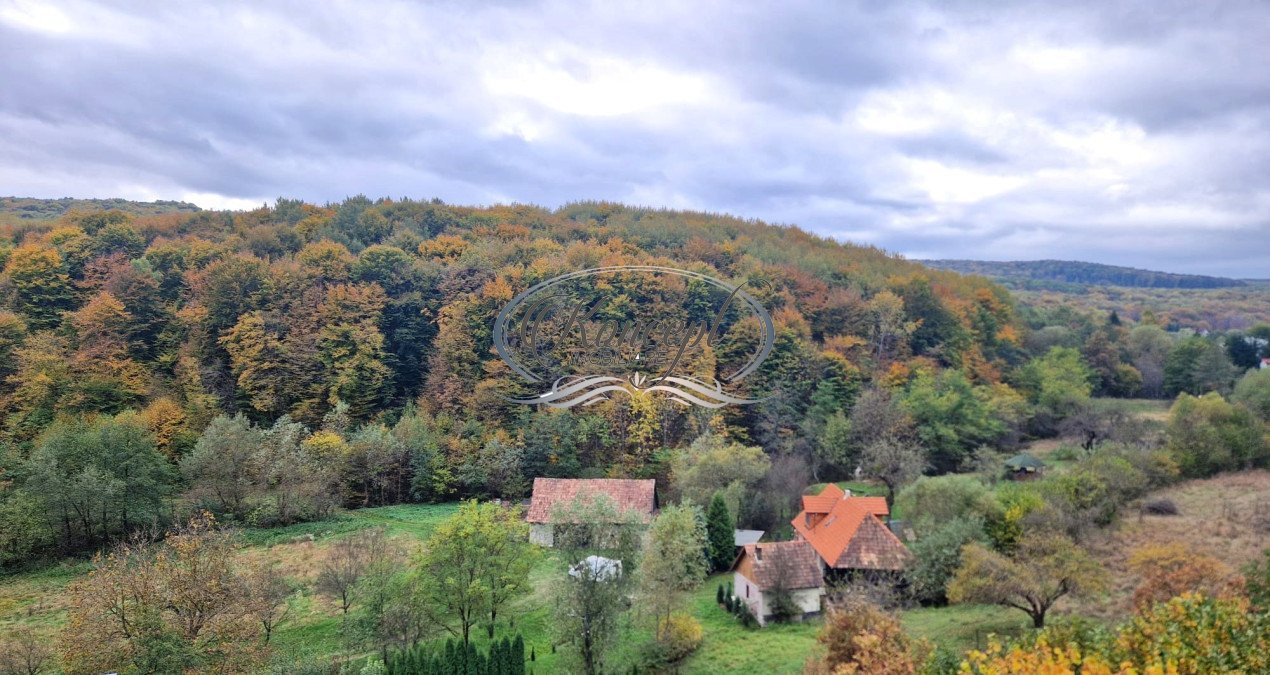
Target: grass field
(313, 630)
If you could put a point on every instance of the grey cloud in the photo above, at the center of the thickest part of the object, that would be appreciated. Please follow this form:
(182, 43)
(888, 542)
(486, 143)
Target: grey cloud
(1136, 133)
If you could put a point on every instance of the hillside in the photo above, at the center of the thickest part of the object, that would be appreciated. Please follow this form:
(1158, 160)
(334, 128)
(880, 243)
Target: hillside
(27, 208)
(1063, 274)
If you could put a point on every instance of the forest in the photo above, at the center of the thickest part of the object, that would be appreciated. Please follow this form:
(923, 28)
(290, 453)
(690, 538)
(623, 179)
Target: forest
(1068, 273)
(218, 376)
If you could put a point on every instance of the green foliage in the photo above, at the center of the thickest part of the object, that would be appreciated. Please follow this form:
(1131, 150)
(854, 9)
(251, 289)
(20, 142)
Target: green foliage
(672, 561)
(41, 287)
(719, 535)
(504, 657)
(1207, 434)
(473, 565)
(937, 556)
(97, 480)
(1058, 383)
(712, 464)
(1257, 582)
(932, 502)
(1253, 392)
(952, 416)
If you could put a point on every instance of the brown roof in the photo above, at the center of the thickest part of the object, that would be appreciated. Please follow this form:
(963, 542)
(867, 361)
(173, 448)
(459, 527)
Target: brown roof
(628, 495)
(767, 564)
(849, 534)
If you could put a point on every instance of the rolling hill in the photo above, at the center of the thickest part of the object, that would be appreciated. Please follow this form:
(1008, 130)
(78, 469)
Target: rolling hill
(1063, 274)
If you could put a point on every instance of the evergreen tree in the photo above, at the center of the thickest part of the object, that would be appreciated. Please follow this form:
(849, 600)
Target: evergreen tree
(719, 533)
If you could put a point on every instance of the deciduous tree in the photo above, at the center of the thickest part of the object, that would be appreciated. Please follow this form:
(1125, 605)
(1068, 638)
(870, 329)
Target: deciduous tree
(1044, 568)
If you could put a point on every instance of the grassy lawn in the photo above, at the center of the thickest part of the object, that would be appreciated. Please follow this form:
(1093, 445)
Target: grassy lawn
(727, 647)
(857, 488)
(958, 628)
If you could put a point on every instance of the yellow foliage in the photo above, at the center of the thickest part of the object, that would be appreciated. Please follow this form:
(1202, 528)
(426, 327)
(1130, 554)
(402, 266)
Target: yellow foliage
(326, 445)
(165, 419)
(1044, 659)
(444, 246)
(681, 634)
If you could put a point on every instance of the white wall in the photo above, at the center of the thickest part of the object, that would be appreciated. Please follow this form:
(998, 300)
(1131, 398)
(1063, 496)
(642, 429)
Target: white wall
(807, 599)
(541, 534)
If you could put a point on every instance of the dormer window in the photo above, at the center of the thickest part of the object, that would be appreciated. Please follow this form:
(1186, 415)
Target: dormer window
(758, 553)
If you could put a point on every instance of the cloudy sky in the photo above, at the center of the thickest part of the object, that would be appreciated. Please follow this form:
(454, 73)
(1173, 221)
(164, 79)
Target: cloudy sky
(1135, 135)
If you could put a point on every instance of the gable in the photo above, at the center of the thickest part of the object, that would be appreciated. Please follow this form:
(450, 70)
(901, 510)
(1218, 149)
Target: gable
(874, 547)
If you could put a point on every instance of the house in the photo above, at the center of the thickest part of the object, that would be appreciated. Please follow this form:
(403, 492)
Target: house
(632, 498)
(1024, 467)
(1265, 363)
(762, 570)
(848, 534)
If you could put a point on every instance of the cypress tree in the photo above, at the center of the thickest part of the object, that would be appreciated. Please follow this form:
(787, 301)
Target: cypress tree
(718, 595)
(719, 535)
(518, 655)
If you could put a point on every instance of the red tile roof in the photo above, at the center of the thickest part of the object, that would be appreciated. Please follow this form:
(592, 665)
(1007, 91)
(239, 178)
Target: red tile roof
(832, 494)
(793, 562)
(628, 495)
(849, 534)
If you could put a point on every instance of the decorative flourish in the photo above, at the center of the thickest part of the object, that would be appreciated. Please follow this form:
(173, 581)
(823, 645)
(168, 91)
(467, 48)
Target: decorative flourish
(567, 392)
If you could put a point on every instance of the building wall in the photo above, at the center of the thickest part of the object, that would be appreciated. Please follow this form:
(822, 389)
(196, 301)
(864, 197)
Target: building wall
(541, 534)
(807, 599)
(747, 592)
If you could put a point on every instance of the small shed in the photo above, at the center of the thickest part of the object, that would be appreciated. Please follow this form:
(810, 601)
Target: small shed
(1024, 466)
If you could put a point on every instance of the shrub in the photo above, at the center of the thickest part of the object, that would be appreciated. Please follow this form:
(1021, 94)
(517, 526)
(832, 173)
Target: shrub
(1207, 434)
(1169, 570)
(931, 502)
(1161, 507)
(1199, 635)
(1257, 582)
(938, 555)
(1066, 453)
(864, 639)
(681, 636)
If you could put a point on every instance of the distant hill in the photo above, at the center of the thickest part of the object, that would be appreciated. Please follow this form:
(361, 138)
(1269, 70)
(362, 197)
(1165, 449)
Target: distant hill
(1066, 274)
(27, 208)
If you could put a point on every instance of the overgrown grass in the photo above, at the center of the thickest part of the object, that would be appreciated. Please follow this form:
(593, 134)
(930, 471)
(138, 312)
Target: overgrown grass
(417, 520)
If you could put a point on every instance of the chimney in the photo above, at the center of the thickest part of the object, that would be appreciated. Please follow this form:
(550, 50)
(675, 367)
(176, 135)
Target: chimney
(846, 493)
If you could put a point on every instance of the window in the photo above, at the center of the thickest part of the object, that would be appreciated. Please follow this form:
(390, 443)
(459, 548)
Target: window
(747, 591)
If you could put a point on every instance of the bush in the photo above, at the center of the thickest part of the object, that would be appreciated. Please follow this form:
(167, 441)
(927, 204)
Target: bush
(1207, 435)
(938, 555)
(931, 502)
(1161, 507)
(865, 639)
(681, 636)
(1066, 453)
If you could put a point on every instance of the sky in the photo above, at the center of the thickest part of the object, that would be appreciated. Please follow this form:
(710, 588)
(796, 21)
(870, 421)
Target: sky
(1133, 133)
